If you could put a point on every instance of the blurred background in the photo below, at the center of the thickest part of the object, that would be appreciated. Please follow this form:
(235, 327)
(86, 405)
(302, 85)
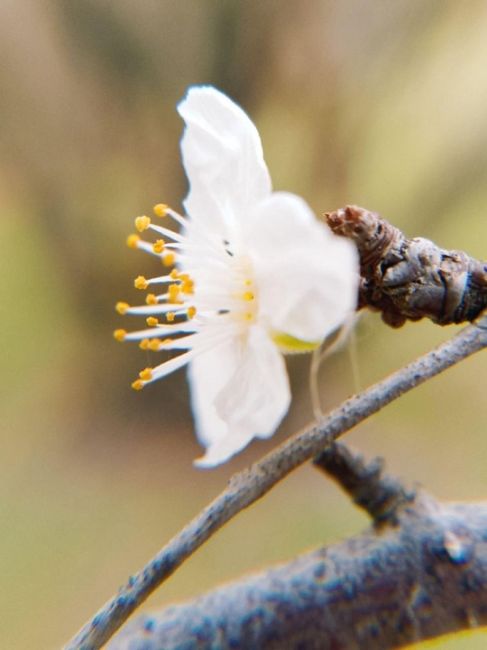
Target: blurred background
(378, 103)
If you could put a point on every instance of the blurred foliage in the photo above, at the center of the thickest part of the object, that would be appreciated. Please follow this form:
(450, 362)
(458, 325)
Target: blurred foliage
(381, 104)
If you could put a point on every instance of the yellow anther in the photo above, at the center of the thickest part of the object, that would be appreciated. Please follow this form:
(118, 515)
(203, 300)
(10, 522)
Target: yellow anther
(191, 312)
(142, 223)
(158, 246)
(155, 344)
(173, 291)
(138, 384)
(122, 307)
(133, 240)
(248, 295)
(248, 283)
(151, 299)
(119, 335)
(160, 210)
(170, 316)
(174, 274)
(146, 374)
(169, 259)
(144, 344)
(187, 287)
(152, 321)
(140, 282)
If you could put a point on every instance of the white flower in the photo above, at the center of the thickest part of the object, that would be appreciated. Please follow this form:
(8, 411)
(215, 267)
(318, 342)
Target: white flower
(256, 275)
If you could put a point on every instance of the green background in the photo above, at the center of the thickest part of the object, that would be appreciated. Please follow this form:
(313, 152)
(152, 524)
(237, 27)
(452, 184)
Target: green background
(378, 103)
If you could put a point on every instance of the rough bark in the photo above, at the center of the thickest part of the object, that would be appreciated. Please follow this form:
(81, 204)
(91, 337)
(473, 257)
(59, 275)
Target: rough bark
(410, 279)
(424, 577)
(381, 496)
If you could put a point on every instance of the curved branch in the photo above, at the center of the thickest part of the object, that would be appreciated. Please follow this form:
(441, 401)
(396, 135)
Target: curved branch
(248, 486)
(424, 578)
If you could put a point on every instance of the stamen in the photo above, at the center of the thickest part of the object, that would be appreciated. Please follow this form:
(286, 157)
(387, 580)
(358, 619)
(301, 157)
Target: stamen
(173, 364)
(170, 316)
(122, 307)
(169, 259)
(140, 282)
(152, 321)
(151, 299)
(150, 310)
(173, 293)
(138, 384)
(191, 312)
(248, 295)
(119, 335)
(187, 286)
(142, 223)
(146, 374)
(160, 210)
(147, 247)
(158, 246)
(155, 345)
(148, 334)
(133, 241)
(165, 232)
(177, 217)
(144, 344)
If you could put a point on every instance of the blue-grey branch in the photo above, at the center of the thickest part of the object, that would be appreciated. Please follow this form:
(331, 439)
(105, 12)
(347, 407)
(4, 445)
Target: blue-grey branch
(380, 495)
(248, 486)
(425, 577)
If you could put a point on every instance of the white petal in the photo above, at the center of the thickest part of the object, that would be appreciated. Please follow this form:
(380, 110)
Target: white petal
(222, 156)
(238, 396)
(307, 276)
(207, 375)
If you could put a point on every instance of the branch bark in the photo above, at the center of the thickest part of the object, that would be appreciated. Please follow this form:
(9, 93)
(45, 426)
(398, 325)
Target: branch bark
(248, 486)
(425, 577)
(381, 496)
(410, 279)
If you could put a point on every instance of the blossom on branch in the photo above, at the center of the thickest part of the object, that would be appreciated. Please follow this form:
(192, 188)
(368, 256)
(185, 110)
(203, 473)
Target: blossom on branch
(254, 276)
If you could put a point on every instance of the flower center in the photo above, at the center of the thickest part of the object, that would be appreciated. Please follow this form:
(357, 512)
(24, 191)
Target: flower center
(246, 293)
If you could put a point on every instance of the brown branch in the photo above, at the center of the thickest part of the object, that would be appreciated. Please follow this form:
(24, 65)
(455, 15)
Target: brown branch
(248, 486)
(384, 589)
(380, 495)
(410, 279)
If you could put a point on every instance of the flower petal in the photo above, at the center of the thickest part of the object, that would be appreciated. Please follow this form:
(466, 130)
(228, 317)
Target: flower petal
(222, 156)
(208, 373)
(307, 276)
(239, 396)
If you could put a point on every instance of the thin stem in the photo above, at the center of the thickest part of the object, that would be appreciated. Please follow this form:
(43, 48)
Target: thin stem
(250, 485)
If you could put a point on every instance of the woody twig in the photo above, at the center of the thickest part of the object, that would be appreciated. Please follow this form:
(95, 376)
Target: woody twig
(409, 279)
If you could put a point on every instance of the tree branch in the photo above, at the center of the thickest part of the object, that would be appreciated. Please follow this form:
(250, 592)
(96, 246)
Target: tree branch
(421, 579)
(409, 279)
(380, 495)
(248, 486)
